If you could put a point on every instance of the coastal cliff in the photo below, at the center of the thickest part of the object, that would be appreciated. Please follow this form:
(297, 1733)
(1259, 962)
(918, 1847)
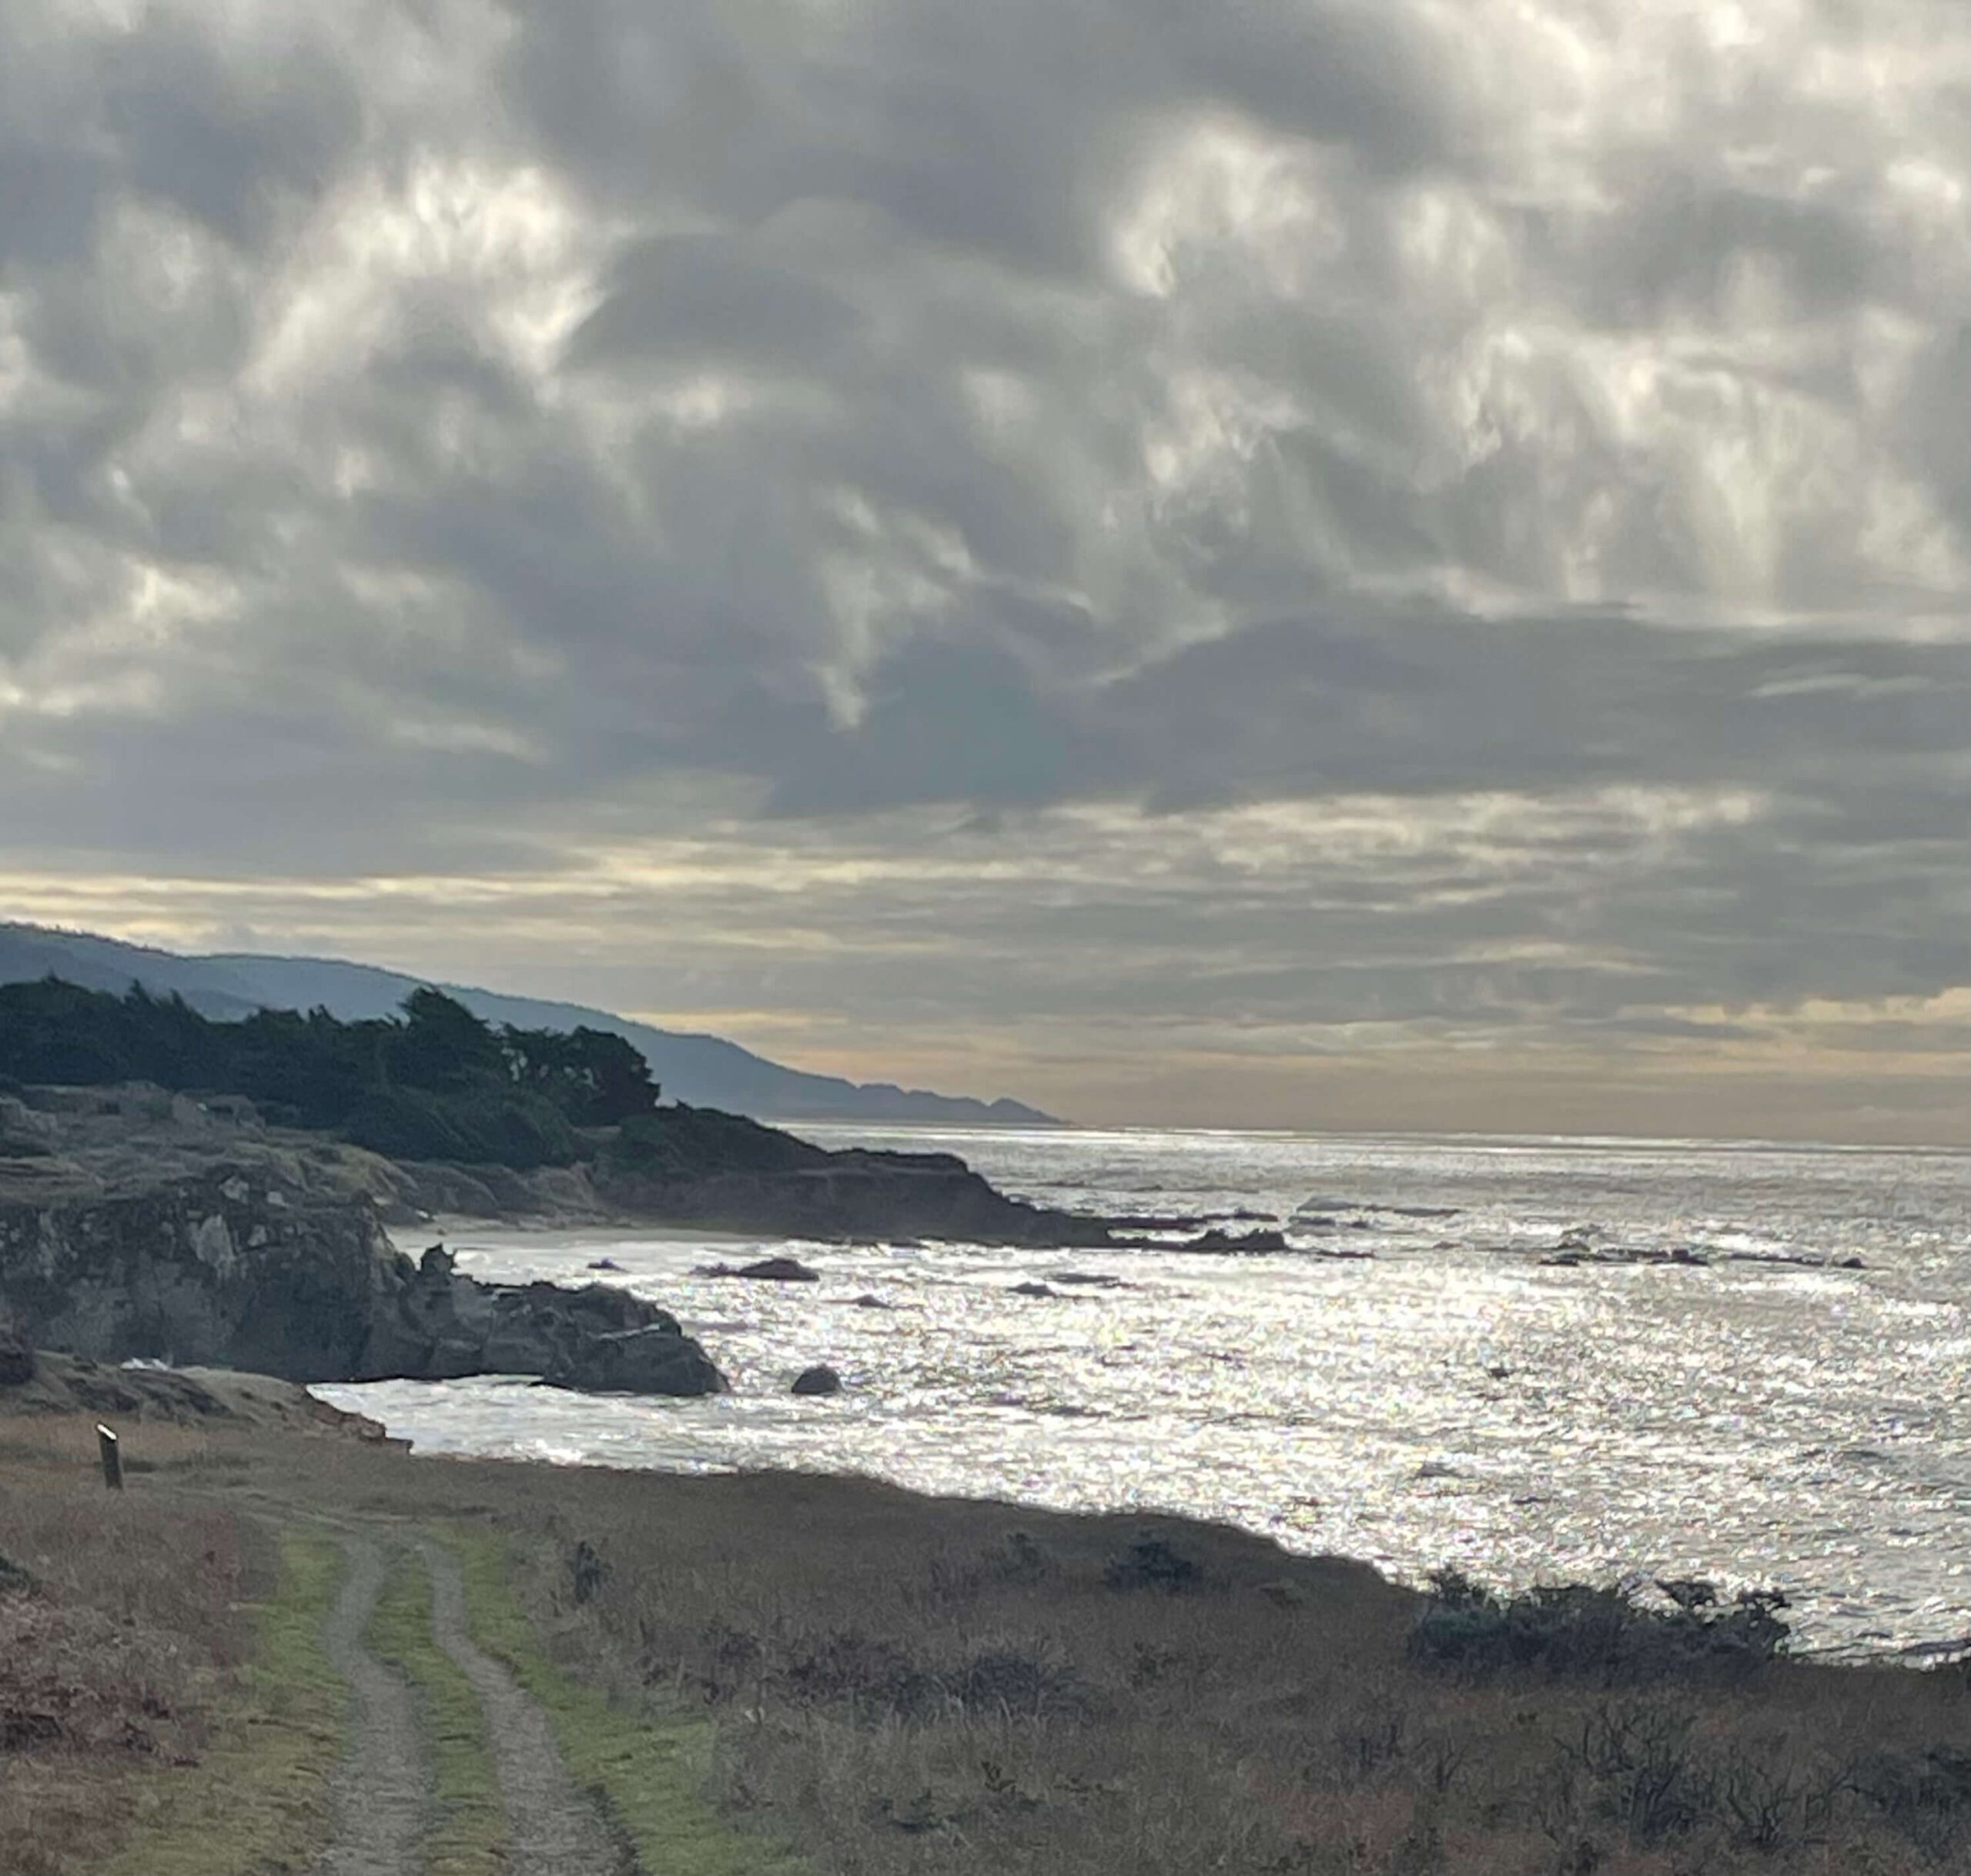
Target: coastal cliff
(138, 1224)
(250, 1261)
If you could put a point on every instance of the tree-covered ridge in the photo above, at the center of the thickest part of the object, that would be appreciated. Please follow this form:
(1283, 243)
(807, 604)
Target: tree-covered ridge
(435, 1083)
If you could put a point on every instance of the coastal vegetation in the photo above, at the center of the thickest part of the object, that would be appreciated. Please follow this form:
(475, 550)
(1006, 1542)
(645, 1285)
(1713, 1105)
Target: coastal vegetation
(773, 1672)
(437, 1083)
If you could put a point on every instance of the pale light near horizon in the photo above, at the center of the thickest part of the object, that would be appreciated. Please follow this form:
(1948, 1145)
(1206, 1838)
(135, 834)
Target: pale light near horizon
(1305, 565)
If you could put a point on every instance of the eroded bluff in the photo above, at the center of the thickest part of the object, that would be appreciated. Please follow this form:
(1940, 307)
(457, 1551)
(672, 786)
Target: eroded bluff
(241, 1267)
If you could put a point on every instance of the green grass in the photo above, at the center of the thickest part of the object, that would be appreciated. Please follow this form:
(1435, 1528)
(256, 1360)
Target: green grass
(468, 1834)
(258, 1802)
(650, 1769)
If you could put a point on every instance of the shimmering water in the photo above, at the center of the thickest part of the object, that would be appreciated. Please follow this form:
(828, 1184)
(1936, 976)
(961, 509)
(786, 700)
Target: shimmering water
(1449, 1400)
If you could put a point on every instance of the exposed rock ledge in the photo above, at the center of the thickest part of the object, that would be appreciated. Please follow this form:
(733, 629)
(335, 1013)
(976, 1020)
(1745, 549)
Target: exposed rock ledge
(251, 1265)
(49, 1383)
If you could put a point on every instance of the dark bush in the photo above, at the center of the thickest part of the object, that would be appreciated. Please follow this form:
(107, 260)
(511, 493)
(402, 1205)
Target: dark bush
(1028, 1681)
(1925, 1796)
(881, 1680)
(586, 1571)
(684, 1142)
(401, 1123)
(1150, 1564)
(520, 1131)
(1586, 1632)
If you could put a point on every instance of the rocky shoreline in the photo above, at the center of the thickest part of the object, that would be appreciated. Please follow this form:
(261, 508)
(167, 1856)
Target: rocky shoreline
(135, 1225)
(241, 1267)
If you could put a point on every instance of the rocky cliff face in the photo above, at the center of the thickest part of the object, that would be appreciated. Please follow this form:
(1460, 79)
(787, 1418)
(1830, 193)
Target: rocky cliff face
(243, 1266)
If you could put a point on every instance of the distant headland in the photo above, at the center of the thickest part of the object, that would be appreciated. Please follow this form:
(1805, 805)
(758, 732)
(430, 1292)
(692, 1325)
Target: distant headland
(705, 1071)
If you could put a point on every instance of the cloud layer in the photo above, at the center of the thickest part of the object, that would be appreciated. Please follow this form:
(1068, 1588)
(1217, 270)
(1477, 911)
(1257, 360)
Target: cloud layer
(1189, 559)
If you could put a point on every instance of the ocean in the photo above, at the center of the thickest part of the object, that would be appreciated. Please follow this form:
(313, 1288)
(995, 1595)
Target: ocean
(1712, 1391)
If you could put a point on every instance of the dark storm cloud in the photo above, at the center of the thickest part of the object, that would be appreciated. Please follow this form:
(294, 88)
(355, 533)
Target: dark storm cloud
(492, 440)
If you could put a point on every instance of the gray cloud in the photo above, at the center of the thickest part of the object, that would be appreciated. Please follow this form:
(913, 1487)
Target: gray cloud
(962, 467)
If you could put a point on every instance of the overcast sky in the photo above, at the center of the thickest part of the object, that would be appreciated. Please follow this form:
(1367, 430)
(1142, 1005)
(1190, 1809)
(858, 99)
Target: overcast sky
(1253, 562)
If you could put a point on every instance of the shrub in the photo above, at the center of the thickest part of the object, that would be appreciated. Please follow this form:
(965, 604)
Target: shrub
(521, 1131)
(1585, 1631)
(1150, 1564)
(684, 1142)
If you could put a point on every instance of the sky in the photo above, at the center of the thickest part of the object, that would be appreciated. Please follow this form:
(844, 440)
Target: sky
(1336, 564)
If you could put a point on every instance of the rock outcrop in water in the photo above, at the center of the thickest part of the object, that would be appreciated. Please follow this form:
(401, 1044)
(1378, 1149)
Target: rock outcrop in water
(242, 1265)
(765, 1270)
(654, 1359)
(693, 1166)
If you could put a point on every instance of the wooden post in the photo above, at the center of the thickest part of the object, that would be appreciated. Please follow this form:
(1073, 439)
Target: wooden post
(113, 1457)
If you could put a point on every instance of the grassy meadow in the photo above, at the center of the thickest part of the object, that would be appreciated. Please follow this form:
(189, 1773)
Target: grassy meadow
(776, 1672)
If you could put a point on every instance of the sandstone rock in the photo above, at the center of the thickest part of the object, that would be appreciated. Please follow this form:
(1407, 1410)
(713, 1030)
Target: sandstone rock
(819, 1380)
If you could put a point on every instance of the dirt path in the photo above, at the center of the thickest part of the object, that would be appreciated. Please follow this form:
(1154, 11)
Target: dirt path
(378, 1804)
(554, 1829)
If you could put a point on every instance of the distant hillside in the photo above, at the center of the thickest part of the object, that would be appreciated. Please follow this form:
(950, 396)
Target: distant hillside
(705, 1070)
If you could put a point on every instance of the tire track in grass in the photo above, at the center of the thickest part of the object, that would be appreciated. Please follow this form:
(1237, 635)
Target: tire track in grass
(553, 1829)
(467, 1834)
(647, 1769)
(379, 1803)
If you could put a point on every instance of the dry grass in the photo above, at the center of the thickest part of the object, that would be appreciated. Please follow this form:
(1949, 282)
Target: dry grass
(105, 1669)
(922, 1688)
(903, 1684)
